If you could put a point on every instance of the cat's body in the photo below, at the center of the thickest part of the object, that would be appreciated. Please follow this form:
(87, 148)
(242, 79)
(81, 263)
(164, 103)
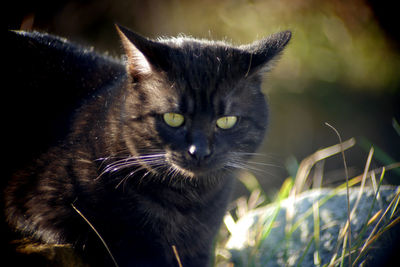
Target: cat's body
(150, 158)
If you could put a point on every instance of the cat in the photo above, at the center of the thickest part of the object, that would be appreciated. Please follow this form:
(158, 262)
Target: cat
(145, 172)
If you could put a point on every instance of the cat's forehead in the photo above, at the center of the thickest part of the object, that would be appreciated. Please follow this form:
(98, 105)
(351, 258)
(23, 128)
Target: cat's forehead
(201, 65)
(202, 71)
(204, 75)
(195, 52)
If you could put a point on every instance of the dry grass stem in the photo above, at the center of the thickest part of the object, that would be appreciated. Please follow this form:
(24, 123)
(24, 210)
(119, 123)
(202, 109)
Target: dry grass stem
(307, 164)
(178, 259)
(97, 233)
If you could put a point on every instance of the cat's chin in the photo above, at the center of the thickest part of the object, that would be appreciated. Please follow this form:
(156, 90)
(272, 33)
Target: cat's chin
(195, 171)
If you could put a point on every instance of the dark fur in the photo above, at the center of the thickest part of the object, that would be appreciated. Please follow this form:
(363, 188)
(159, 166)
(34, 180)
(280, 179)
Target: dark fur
(128, 172)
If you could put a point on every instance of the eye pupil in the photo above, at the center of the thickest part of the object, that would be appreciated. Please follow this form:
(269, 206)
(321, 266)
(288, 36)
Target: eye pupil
(226, 122)
(173, 119)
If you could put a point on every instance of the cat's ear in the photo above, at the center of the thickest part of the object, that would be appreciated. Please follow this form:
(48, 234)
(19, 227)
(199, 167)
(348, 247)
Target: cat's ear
(143, 55)
(262, 54)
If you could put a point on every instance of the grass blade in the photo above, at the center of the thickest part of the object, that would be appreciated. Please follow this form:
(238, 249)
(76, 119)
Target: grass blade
(394, 209)
(178, 259)
(396, 126)
(347, 187)
(299, 263)
(97, 233)
(372, 237)
(317, 258)
(307, 164)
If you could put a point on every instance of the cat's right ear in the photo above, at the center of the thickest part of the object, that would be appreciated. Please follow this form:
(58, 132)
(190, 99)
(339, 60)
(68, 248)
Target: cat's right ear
(263, 53)
(143, 55)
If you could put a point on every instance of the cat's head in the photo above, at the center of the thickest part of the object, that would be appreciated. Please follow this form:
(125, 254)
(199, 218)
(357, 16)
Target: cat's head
(194, 107)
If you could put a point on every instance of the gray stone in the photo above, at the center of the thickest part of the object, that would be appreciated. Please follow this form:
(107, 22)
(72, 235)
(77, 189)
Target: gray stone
(281, 247)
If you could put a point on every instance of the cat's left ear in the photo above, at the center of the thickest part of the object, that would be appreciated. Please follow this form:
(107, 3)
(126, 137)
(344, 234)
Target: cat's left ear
(144, 55)
(263, 53)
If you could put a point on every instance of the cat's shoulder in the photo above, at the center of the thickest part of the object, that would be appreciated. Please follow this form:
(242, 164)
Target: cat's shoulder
(46, 79)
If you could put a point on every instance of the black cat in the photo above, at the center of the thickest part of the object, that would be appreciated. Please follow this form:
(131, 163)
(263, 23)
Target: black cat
(150, 157)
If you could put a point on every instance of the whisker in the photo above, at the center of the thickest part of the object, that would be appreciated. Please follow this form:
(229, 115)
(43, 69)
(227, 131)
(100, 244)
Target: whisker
(154, 166)
(246, 167)
(123, 180)
(131, 161)
(249, 153)
(238, 160)
(230, 169)
(264, 164)
(253, 155)
(170, 172)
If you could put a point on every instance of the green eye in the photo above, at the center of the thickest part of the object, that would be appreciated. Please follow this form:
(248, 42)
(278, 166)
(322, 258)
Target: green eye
(173, 119)
(226, 122)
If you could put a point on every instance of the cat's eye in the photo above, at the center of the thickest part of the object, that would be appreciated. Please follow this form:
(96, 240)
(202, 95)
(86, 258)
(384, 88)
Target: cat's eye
(173, 119)
(226, 122)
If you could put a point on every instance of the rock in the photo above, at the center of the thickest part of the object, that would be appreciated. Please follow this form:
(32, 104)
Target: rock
(284, 235)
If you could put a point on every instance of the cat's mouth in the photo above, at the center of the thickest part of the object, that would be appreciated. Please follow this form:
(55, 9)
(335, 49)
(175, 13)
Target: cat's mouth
(193, 169)
(193, 172)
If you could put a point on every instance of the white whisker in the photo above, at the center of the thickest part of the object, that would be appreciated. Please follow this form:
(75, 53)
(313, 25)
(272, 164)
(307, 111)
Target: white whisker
(243, 165)
(135, 163)
(264, 164)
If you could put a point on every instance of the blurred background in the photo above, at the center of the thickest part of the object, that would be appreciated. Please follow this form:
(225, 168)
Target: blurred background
(341, 67)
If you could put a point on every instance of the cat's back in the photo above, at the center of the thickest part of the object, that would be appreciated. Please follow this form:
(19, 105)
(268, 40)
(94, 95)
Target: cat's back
(47, 78)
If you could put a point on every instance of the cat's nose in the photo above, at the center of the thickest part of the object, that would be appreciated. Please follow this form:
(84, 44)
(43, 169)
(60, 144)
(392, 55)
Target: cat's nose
(200, 147)
(199, 152)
